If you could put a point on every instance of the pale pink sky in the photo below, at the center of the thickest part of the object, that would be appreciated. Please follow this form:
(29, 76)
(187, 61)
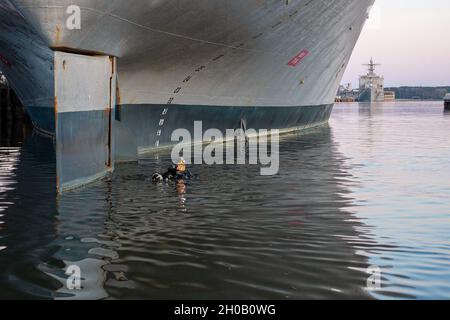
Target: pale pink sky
(410, 38)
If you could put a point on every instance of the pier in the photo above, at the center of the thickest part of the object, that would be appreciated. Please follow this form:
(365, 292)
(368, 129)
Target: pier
(447, 102)
(14, 122)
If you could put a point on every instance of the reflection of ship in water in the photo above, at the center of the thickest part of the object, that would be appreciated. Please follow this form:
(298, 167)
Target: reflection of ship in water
(233, 231)
(36, 246)
(27, 218)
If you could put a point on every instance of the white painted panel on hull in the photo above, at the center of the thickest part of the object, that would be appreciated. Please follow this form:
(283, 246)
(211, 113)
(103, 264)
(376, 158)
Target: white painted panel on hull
(80, 82)
(84, 101)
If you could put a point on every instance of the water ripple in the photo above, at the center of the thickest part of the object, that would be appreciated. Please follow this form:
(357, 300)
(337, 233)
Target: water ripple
(370, 189)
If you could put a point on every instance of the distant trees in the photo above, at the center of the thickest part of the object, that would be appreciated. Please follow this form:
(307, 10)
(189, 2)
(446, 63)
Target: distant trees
(420, 93)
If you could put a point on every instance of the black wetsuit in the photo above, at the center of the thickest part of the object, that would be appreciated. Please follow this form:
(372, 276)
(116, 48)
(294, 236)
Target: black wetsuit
(173, 174)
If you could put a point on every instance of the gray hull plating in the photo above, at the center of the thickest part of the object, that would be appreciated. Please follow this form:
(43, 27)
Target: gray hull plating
(280, 62)
(27, 62)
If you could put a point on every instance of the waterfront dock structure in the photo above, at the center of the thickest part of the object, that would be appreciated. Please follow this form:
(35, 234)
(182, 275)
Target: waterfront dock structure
(371, 88)
(347, 94)
(5, 96)
(10, 105)
(447, 101)
(14, 122)
(389, 96)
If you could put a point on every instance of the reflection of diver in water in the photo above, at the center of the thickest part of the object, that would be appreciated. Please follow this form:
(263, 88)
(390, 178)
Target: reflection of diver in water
(175, 173)
(180, 175)
(181, 190)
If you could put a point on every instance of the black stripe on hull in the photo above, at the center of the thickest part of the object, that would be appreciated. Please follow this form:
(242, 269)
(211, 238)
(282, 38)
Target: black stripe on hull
(146, 127)
(151, 126)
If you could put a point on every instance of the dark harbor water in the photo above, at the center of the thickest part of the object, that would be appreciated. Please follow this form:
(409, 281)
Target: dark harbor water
(370, 189)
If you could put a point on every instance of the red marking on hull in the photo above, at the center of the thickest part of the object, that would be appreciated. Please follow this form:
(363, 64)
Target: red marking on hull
(5, 61)
(298, 58)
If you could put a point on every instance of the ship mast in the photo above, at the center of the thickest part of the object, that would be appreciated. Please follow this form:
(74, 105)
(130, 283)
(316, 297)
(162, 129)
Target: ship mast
(371, 66)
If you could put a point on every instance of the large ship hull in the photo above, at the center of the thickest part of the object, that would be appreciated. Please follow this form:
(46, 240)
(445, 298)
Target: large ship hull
(275, 63)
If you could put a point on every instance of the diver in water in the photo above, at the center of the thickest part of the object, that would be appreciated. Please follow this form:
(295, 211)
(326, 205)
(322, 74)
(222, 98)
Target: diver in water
(174, 173)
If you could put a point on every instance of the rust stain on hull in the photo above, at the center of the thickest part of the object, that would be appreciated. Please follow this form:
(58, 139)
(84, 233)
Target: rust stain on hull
(57, 34)
(83, 52)
(56, 106)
